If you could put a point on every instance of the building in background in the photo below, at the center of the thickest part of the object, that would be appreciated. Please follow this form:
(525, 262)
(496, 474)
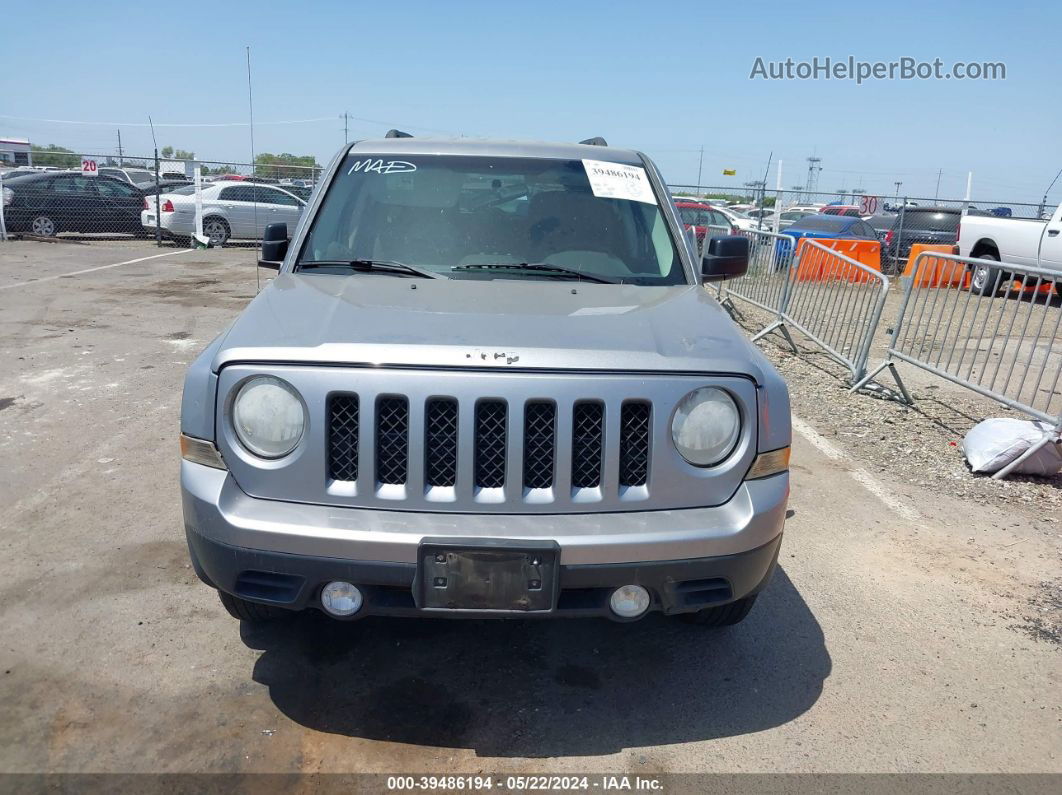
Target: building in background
(15, 152)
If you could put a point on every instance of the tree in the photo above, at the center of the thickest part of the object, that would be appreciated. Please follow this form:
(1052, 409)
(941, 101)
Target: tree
(52, 155)
(169, 153)
(285, 166)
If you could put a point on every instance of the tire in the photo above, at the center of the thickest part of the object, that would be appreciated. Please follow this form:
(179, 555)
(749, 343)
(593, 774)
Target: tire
(44, 226)
(1058, 289)
(216, 229)
(251, 611)
(984, 279)
(724, 616)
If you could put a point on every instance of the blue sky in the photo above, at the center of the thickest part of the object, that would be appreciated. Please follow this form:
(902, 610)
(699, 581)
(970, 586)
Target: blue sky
(664, 78)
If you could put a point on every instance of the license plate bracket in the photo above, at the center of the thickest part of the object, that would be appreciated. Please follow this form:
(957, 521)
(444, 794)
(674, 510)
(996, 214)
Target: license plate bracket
(487, 575)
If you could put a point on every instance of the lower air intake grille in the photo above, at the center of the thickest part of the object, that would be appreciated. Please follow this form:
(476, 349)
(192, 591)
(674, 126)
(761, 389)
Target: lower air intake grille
(490, 444)
(634, 444)
(343, 437)
(441, 442)
(587, 420)
(539, 444)
(392, 440)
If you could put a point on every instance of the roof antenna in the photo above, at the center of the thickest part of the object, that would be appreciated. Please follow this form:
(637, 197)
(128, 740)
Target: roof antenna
(597, 140)
(396, 134)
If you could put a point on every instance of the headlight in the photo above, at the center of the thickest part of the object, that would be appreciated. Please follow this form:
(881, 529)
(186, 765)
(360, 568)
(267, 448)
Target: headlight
(706, 426)
(268, 416)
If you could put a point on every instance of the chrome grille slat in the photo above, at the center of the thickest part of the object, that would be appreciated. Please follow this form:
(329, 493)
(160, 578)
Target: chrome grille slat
(440, 442)
(539, 444)
(588, 438)
(343, 427)
(490, 447)
(634, 443)
(392, 440)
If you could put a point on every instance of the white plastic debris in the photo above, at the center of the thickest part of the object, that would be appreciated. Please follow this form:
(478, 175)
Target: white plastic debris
(994, 443)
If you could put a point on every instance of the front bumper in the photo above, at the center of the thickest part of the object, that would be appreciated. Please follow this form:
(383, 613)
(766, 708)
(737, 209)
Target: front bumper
(282, 553)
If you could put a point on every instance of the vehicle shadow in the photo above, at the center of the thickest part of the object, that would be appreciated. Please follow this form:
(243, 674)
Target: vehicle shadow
(545, 688)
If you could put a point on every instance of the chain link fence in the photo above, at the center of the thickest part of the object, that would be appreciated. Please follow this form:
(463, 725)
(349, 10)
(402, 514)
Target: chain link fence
(104, 196)
(900, 223)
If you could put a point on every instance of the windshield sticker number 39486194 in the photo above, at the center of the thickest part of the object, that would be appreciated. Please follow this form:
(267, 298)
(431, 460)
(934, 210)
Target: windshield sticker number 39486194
(619, 181)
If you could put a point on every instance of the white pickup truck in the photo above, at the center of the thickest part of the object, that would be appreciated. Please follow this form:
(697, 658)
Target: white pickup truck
(1018, 241)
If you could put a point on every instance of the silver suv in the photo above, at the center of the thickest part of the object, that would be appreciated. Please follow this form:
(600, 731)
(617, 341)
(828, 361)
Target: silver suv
(486, 381)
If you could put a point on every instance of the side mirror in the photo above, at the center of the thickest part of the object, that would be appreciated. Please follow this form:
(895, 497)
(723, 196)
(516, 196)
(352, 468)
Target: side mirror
(274, 246)
(726, 258)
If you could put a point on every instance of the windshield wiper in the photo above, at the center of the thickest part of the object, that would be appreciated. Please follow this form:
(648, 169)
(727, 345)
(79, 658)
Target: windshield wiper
(372, 266)
(540, 267)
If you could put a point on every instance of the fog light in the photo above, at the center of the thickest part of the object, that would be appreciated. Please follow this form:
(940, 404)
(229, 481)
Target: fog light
(629, 601)
(341, 598)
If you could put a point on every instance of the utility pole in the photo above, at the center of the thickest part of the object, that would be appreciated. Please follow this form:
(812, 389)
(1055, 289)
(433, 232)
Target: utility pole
(346, 135)
(897, 183)
(937, 194)
(700, 162)
(120, 163)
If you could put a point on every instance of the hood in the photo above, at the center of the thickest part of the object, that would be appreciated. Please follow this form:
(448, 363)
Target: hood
(375, 320)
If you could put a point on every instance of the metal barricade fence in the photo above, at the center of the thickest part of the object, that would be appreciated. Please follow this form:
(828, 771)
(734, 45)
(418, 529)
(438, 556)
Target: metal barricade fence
(831, 299)
(766, 283)
(1000, 341)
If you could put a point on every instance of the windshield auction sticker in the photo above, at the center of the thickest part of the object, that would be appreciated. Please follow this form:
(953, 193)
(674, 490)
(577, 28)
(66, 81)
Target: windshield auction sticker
(619, 181)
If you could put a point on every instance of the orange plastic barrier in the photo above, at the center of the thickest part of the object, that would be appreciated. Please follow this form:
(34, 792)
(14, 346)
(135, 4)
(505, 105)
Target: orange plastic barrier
(937, 272)
(865, 252)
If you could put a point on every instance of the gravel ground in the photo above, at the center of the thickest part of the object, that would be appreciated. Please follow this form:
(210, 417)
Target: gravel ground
(920, 444)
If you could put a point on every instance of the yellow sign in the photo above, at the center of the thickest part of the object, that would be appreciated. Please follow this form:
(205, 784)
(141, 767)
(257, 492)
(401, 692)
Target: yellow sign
(729, 172)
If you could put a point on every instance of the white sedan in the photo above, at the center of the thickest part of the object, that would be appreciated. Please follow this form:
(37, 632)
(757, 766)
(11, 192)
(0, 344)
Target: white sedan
(231, 210)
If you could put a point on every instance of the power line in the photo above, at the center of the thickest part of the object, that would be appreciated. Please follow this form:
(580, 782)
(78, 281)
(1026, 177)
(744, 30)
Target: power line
(170, 124)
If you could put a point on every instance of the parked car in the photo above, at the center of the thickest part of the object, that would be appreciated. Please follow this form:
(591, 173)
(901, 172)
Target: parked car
(701, 218)
(1021, 241)
(11, 173)
(140, 177)
(238, 210)
(302, 191)
(933, 225)
(470, 411)
(50, 202)
(824, 227)
(834, 227)
(849, 210)
(737, 219)
(789, 217)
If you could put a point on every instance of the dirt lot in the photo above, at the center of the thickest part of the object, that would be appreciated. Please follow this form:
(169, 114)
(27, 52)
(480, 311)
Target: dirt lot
(909, 627)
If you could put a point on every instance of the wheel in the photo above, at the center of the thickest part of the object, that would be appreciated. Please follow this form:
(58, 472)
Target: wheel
(44, 226)
(984, 279)
(250, 611)
(216, 230)
(724, 616)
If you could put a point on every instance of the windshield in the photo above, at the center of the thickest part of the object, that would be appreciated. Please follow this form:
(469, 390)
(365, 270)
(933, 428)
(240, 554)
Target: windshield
(444, 211)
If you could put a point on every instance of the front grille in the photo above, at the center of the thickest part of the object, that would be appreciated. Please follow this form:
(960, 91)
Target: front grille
(539, 444)
(634, 444)
(343, 437)
(392, 440)
(445, 449)
(490, 444)
(587, 436)
(440, 437)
